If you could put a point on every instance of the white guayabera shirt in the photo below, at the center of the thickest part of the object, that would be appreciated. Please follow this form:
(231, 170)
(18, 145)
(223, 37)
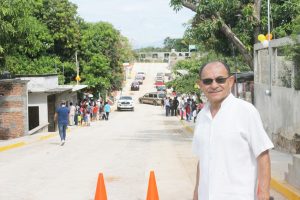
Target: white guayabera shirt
(227, 147)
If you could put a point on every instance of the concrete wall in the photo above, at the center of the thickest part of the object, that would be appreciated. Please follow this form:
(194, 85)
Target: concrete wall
(40, 100)
(67, 96)
(37, 83)
(280, 111)
(162, 56)
(293, 174)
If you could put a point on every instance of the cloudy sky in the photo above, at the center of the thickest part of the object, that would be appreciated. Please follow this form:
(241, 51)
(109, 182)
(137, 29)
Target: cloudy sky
(143, 22)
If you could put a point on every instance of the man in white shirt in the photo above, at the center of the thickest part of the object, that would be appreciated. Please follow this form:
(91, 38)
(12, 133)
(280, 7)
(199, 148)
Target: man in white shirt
(230, 142)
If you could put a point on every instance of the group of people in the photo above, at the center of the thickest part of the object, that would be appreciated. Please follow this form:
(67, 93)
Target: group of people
(86, 111)
(80, 114)
(187, 107)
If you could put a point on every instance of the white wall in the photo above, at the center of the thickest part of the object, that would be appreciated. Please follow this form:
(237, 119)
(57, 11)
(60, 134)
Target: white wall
(280, 112)
(40, 100)
(41, 83)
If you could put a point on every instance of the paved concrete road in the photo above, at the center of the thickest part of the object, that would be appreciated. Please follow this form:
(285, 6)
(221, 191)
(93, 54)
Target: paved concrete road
(125, 149)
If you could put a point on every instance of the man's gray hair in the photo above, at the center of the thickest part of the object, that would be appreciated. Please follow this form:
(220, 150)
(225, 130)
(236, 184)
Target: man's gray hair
(217, 61)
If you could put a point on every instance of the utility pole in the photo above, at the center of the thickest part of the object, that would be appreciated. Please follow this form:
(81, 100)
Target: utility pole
(77, 68)
(235, 73)
(269, 92)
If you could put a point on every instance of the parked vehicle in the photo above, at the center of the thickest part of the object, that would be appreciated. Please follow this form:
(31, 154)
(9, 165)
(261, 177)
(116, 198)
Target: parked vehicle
(159, 83)
(161, 88)
(159, 78)
(125, 103)
(153, 98)
(135, 86)
(160, 74)
(142, 74)
(139, 78)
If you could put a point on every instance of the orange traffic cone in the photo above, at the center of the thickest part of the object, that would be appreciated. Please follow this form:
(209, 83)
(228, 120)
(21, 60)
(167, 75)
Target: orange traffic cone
(152, 193)
(100, 190)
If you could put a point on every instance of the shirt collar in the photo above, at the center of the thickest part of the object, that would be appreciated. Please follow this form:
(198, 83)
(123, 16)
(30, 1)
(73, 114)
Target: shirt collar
(224, 103)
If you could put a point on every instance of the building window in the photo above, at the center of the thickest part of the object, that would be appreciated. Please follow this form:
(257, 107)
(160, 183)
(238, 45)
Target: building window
(155, 55)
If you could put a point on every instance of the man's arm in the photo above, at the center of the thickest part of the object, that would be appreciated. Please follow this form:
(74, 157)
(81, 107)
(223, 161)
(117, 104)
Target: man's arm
(264, 175)
(197, 183)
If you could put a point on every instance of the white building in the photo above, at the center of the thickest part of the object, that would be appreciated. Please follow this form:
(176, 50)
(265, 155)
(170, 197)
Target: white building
(44, 96)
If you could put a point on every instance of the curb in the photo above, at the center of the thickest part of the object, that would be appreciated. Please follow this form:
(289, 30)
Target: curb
(21, 144)
(12, 146)
(283, 188)
(187, 127)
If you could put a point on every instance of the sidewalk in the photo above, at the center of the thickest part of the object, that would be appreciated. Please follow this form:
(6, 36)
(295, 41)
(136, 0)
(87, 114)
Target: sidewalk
(279, 166)
(6, 145)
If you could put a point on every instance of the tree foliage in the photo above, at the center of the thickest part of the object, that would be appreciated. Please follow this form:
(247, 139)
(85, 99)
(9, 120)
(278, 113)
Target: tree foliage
(104, 50)
(60, 17)
(179, 44)
(186, 83)
(42, 36)
(20, 31)
(219, 23)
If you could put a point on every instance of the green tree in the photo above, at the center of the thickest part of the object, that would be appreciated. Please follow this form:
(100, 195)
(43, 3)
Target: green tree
(60, 16)
(220, 23)
(186, 83)
(178, 44)
(103, 49)
(97, 73)
(20, 32)
(126, 52)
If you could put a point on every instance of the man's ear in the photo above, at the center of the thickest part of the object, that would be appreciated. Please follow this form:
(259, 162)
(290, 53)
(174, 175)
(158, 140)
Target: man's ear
(199, 83)
(231, 80)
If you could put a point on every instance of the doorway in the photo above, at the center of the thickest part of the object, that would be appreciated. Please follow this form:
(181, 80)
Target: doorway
(34, 117)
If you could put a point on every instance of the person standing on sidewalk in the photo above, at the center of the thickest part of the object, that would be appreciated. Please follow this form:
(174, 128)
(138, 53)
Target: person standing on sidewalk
(72, 114)
(62, 117)
(167, 106)
(175, 105)
(230, 142)
(106, 110)
(181, 108)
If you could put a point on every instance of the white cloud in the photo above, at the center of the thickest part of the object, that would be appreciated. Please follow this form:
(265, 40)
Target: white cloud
(144, 22)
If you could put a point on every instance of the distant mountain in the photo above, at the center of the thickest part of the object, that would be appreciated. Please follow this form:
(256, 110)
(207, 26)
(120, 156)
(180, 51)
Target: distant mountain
(156, 44)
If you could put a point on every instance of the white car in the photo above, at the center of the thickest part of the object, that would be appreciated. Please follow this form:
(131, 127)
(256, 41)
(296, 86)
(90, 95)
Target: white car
(125, 103)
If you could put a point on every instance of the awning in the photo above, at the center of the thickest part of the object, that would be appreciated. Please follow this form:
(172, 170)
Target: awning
(59, 89)
(182, 72)
(45, 90)
(244, 76)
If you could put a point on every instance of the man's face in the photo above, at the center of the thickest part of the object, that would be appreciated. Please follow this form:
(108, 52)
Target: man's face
(218, 89)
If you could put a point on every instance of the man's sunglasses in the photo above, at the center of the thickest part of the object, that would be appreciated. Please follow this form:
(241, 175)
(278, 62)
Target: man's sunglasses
(219, 80)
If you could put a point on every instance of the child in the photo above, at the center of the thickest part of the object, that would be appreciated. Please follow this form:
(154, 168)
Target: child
(195, 115)
(79, 119)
